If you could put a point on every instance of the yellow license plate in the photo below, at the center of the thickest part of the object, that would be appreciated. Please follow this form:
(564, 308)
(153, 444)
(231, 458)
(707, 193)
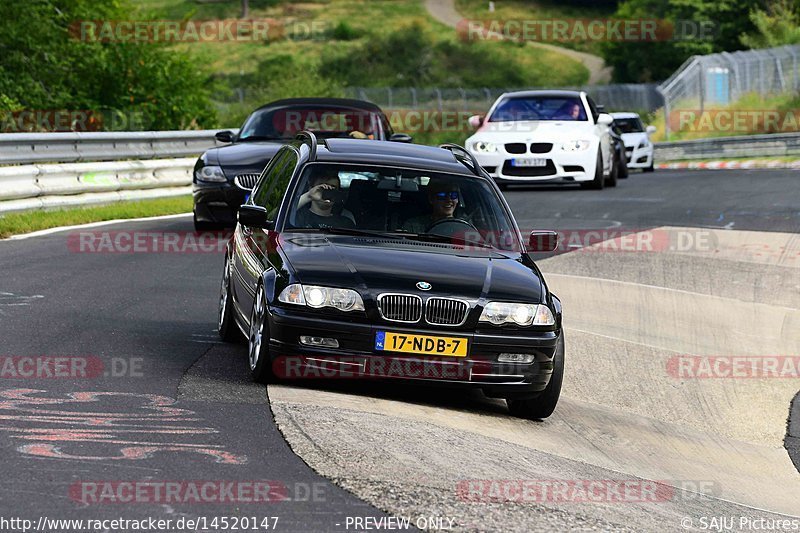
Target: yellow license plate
(421, 344)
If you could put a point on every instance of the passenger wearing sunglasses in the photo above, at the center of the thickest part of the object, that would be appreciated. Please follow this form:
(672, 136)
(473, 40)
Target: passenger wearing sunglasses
(443, 198)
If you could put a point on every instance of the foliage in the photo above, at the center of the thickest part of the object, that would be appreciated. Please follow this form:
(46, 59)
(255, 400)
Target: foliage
(777, 26)
(655, 61)
(46, 65)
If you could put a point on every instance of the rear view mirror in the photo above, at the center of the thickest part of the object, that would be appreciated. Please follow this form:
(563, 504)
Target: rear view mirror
(253, 216)
(401, 138)
(605, 119)
(224, 136)
(543, 241)
(475, 121)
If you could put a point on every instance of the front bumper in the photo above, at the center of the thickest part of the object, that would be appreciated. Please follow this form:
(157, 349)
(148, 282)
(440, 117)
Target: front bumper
(356, 357)
(217, 203)
(640, 157)
(560, 166)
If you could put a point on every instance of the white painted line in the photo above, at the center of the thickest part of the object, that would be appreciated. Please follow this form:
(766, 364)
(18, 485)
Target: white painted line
(89, 225)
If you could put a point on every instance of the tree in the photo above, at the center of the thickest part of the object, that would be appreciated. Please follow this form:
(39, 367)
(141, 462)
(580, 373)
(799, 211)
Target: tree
(47, 65)
(777, 26)
(655, 61)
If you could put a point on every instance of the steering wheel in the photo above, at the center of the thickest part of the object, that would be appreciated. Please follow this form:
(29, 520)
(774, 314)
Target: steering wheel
(450, 226)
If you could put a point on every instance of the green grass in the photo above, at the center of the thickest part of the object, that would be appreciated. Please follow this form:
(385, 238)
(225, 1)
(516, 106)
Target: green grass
(525, 10)
(784, 104)
(351, 30)
(17, 223)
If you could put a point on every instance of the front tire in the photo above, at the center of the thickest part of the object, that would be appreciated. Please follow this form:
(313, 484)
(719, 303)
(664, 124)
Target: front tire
(623, 168)
(226, 323)
(258, 340)
(611, 181)
(202, 226)
(598, 182)
(545, 403)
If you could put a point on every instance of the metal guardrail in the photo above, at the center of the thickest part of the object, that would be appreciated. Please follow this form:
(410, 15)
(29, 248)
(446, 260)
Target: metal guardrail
(767, 145)
(26, 187)
(16, 148)
(94, 168)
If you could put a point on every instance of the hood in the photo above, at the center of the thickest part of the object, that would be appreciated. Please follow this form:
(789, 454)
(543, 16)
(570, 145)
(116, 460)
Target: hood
(243, 157)
(545, 131)
(633, 139)
(374, 266)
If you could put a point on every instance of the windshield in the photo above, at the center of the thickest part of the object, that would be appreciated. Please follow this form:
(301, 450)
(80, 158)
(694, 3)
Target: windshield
(629, 125)
(539, 108)
(284, 123)
(400, 203)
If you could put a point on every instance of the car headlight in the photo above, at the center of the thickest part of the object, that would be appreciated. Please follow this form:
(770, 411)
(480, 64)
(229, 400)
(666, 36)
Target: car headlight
(317, 297)
(210, 173)
(576, 145)
(499, 313)
(484, 147)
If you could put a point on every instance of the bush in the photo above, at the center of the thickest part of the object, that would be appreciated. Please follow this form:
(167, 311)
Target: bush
(45, 67)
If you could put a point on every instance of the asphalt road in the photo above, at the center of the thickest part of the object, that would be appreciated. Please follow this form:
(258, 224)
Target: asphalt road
(182, 409)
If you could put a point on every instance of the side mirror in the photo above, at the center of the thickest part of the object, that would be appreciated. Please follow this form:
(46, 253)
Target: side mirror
(604, 119)
(401, 138)
(224, 136)
(253, 216)
(543, 241)
(651, 129)
(475, 121)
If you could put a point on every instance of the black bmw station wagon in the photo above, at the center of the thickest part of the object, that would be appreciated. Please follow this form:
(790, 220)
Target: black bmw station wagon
(359, 258)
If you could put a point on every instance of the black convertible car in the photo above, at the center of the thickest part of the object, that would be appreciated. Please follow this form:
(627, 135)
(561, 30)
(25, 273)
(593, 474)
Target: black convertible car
(365, 259)
(216, 172)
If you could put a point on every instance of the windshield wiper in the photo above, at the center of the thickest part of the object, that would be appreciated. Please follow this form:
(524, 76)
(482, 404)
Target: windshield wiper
(260, 138)
(436, 237)
(354, 231)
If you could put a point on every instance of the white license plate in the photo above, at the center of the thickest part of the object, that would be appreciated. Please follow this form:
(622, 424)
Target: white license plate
(529, 162)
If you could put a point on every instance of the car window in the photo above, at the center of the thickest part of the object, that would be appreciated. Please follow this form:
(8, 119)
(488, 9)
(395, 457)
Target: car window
(399, 201)
(284, 123)
(539, 108)
(274, 181)
(593, 108)
(629, 125)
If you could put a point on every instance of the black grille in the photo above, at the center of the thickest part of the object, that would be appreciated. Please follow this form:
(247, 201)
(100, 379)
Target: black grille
(246, 181)
(527, 172)
(445, 312)
(400, 307)
(515, 148)
(541, 148)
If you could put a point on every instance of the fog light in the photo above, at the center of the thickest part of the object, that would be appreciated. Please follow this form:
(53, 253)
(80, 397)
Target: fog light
(327, 342)
(516, 358)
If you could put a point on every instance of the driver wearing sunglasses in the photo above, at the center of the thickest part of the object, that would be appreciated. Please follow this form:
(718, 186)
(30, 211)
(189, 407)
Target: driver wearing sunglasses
(443, 198)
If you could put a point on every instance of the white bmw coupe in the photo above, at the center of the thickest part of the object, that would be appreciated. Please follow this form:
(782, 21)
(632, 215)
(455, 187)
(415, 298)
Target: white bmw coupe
(545, 136)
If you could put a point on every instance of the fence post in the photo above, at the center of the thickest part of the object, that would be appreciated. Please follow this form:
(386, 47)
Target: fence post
(413, 97)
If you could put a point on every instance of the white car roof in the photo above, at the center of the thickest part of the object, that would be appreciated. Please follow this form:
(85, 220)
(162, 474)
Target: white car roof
(541, 92)
(625, 114)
